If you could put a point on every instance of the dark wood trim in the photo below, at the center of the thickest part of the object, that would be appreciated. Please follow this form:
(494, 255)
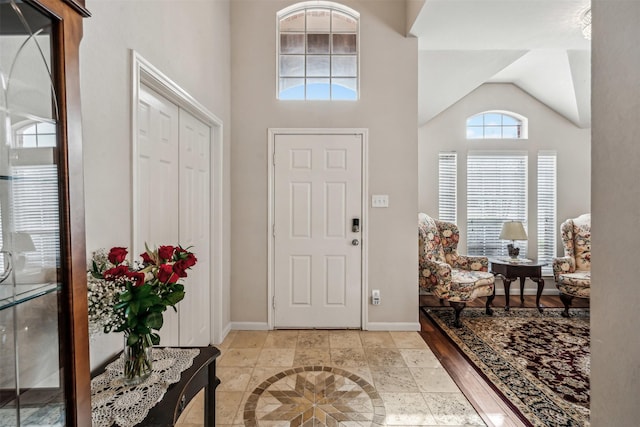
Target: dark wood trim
(74, 258)
(79, 7)
(74, 333)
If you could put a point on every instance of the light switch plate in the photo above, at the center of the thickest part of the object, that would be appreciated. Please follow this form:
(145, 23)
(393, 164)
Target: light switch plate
(380, 201)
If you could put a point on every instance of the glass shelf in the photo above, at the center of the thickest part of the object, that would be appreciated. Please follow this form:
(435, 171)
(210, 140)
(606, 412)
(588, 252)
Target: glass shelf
(11, 295)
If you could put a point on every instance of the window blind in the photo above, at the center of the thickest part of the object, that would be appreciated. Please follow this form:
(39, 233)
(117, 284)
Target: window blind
(496, 192)
(447, 186)
(547, 185)
(35, 197)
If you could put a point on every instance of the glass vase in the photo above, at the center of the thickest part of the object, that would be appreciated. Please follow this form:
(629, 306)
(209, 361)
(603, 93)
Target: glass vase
(138, 359)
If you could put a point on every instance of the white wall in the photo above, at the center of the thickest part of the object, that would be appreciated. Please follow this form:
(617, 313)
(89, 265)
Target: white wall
(547, 131)
(615, 291)
(189, 42)
(387, 107)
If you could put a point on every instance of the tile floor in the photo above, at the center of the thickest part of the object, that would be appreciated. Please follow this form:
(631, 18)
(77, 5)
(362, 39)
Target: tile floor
(415, 389)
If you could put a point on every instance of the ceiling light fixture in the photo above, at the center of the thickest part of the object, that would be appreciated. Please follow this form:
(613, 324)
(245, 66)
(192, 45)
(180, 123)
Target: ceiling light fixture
(586, 24)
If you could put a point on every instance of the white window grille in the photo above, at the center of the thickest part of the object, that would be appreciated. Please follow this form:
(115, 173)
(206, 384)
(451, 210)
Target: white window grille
(318, 47)
(496, 125)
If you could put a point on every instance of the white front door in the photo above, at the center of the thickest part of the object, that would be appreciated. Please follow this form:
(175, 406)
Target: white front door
(317, 255)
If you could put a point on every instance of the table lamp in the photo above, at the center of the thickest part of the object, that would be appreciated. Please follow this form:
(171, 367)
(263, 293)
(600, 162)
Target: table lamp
(513, 230)
(15, 245)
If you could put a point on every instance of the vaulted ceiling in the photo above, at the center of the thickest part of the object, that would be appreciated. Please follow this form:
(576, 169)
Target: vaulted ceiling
(537, 45)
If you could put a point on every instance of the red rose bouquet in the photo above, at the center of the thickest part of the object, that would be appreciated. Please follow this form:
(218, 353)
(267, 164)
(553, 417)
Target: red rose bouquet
(132, 299)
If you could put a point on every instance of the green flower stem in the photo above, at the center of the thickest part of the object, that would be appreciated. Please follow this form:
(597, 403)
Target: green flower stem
(136, 362)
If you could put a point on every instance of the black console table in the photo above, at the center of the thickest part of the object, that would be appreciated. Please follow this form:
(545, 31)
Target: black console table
(202, 374)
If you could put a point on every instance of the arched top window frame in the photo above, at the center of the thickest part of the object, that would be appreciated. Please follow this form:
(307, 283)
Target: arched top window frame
(497, 124)
(328, 69)
(40, 134)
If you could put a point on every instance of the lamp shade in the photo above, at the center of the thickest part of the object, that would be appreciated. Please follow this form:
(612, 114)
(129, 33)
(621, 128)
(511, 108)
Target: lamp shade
(18, 243)
(513, 230)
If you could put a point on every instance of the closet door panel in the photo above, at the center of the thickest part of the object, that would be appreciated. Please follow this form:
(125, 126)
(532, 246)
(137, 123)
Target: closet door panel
(194, 216)
(157, 186)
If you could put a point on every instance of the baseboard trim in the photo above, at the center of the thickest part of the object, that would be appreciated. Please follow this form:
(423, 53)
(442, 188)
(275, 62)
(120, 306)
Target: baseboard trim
(225, 332)
(393, 326)
(249, 326)
(371, 326)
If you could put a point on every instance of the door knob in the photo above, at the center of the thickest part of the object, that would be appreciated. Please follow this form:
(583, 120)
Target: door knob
(355, 242)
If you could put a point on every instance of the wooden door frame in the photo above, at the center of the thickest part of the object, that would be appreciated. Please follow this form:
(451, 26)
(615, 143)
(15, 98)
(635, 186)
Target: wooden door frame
(143, 72)
(364, 223)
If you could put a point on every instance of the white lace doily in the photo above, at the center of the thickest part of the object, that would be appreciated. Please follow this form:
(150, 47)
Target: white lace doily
(114, 402)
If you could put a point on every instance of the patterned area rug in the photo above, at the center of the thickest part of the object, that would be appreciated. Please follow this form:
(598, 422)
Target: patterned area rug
(314, 396)
(539, 362)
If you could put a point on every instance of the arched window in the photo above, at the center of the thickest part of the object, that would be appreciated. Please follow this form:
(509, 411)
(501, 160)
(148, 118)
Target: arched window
(36, 135)
(497, 125)
(318, 52)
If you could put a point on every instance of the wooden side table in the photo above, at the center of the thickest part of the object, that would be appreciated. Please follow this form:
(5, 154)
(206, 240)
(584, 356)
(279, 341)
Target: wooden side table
(202, 374)
(511, 271)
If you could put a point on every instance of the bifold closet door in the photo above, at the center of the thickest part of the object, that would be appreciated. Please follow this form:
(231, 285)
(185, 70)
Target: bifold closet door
(172, 205)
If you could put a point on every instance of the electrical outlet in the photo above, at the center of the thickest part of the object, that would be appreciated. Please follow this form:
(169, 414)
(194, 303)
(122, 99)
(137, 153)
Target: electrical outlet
(375, 297)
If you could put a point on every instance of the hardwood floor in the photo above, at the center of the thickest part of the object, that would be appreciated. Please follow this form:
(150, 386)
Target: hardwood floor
(489, 403)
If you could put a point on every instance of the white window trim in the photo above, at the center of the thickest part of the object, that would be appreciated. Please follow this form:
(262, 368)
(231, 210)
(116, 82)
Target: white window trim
(448, 203)
(552, 231)
(524, 131)
(525, 208)
(318, 4)
(144, 72)
(534, 213)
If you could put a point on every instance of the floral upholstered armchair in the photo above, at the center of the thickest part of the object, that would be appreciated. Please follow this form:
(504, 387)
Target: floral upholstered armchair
(446, 274)
(572, 272)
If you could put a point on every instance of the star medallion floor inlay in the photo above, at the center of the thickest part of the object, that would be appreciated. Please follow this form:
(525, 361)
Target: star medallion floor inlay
(314, 396)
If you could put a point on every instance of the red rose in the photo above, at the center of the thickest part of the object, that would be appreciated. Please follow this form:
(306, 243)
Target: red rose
(184, 255)
(115, 272)
(190, 260)
(117, 255)
(179, 268)
(138, 278)
(166, 274)
(146, 258)
(165, 252)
